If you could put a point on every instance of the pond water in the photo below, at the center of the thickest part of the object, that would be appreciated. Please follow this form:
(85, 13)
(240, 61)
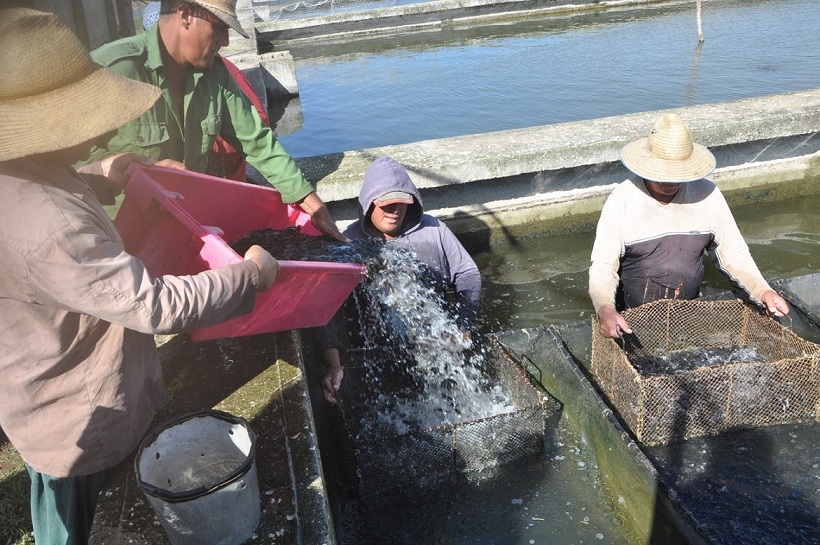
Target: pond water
(560, 496)
(451, 82)
(554, 499)
(756, 485)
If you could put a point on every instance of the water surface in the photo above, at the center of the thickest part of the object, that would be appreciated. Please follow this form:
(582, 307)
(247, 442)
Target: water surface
(557, 498)
(536, 72)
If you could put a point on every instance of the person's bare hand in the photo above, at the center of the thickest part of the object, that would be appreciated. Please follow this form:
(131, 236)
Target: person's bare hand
(774, 304)
(170, 163)
(333, 376)
(611, 323)
(114, 168)
(320, 217)
(267, 266)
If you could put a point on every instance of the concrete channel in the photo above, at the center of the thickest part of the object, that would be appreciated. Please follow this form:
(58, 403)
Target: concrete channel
(487, 188)
(651, 506)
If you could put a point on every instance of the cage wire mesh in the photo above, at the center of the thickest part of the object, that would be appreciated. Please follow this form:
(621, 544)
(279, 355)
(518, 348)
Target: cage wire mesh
(694, 368)
(420, 459)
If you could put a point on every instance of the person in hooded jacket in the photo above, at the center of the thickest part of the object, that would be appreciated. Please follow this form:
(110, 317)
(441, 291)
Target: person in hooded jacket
(390, 208)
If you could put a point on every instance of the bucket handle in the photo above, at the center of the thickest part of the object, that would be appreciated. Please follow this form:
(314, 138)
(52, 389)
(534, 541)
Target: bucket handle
(176, 497)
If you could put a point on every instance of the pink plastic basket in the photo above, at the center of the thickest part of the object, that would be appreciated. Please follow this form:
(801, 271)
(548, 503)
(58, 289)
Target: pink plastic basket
(179, 223)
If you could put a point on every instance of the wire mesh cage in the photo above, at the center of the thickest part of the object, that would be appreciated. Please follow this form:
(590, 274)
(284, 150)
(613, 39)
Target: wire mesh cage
(693, 368)
(420, 458)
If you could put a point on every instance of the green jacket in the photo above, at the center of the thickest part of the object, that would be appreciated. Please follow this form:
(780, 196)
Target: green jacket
(214, 105)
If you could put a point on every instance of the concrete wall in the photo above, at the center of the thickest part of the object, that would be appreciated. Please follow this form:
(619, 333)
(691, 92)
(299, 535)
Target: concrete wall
(562, 173)
(428, 14)
(97, 14)
(95, 22)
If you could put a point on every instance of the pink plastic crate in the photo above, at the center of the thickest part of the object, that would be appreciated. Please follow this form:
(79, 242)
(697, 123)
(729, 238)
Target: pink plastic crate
(180, 223)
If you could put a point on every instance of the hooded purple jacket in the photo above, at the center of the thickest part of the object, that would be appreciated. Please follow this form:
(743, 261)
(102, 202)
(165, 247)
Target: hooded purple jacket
(430, 239)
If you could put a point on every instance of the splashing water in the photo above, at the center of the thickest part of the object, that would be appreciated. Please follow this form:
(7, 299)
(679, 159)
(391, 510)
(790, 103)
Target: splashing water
(437, 353)
(404, 317)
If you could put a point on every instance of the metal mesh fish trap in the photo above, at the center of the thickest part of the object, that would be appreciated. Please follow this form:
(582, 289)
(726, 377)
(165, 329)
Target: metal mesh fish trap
(424, 457)
(695, 368)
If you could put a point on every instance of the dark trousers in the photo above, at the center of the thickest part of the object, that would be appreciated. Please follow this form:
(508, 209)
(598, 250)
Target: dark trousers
(62, 508)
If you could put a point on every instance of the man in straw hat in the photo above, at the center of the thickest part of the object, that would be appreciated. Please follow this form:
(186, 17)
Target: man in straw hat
(80, 377)
(656, 225)
(200, 101)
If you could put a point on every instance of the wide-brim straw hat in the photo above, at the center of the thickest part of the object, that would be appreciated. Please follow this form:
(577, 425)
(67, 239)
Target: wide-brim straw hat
(224, 10)
(668, 153)
(52, 95)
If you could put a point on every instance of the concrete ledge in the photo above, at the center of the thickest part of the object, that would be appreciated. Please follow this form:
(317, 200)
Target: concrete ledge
(509, 175)
(421, 16)
(277, 69)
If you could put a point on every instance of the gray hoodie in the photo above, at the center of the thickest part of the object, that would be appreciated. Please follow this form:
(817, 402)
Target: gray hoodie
(429, 239)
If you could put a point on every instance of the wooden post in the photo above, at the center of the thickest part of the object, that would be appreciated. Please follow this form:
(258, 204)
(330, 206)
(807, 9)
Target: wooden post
(700, 25)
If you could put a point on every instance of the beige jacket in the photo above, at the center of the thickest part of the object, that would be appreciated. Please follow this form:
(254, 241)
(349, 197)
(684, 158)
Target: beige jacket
(80, 378)
(649, 251)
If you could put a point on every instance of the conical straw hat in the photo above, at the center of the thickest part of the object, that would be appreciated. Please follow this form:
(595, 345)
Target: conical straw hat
(668, 153)
(52, 95)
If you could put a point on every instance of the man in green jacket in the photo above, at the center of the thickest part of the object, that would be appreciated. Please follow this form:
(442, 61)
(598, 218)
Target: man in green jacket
(200, 101)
